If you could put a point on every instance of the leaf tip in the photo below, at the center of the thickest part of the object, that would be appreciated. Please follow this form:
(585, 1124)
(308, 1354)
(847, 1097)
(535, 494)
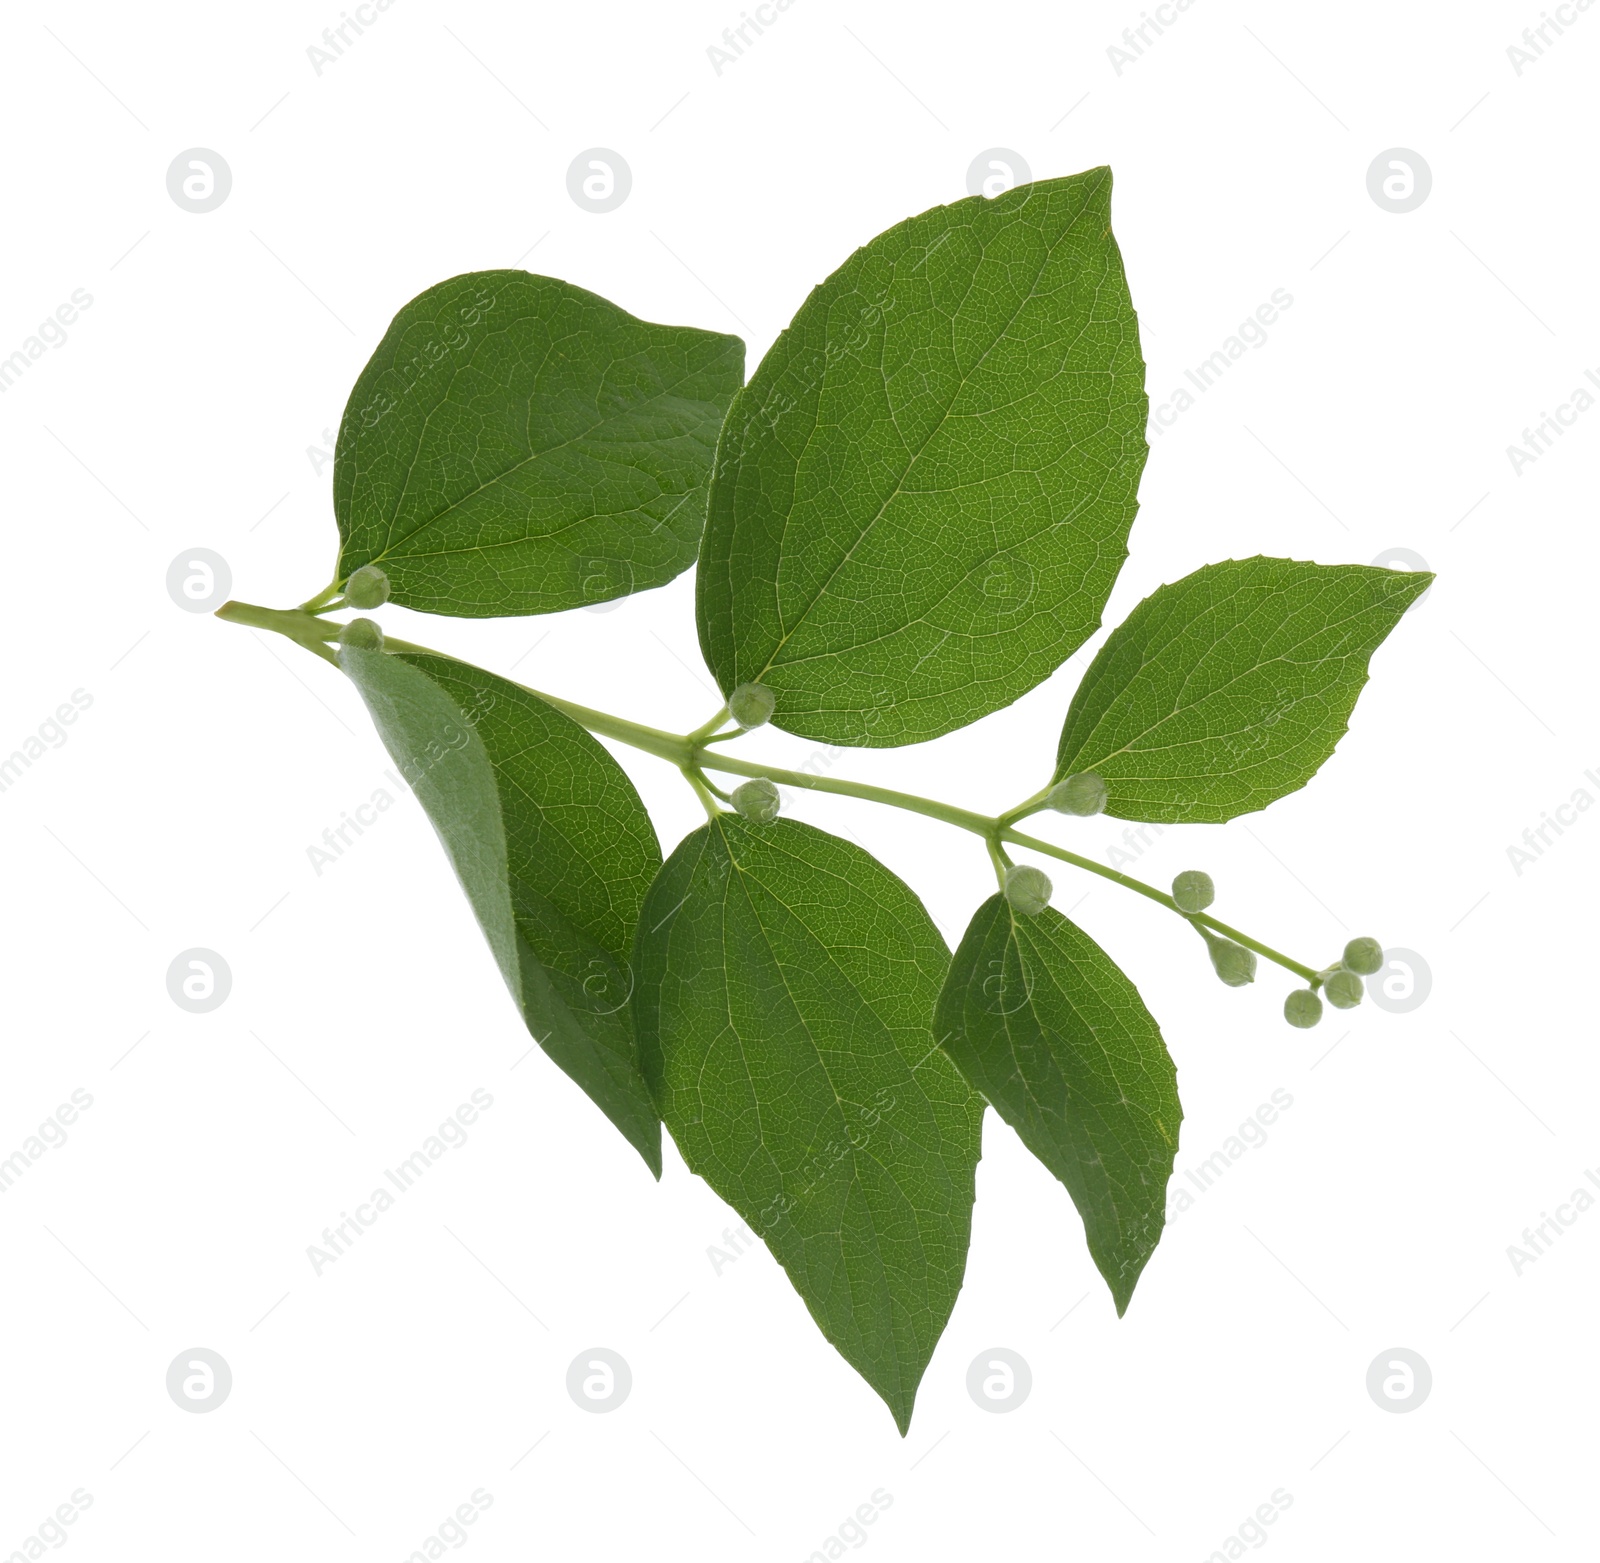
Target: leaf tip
(1121, 1287)
(1121, 1275)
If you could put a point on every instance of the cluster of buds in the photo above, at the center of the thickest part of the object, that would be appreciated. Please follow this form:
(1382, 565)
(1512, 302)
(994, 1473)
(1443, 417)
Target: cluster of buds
(1340, 983)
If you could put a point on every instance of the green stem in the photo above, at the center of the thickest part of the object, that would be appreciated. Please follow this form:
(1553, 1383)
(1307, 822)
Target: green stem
(324, 599)
(993, 831)
(1026, 807)
(684, 750)
(1139, 887)
(653, 740)
(702, 790)
(689, 753)
(727, 797)
(677, 748)
(978, 824)
(706, 729)
(296, 623)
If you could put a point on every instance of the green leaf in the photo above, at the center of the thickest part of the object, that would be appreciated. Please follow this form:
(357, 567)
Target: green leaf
(1046, 1025)
(553, 848)
(1229, 689)
(785, 1000)
(923, 496)
(519, 445)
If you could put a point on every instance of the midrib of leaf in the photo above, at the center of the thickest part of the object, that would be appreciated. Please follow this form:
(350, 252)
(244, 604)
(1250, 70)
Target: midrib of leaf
(1115, 1195)
(1028, 956)
(503, 836)
(856, 1185)
(391, 542)
(1180, 710)
(727, 995)
(778, 965)
(924, 618)
(516, 542)
(865, 532)
(505, 936)
(954, 587)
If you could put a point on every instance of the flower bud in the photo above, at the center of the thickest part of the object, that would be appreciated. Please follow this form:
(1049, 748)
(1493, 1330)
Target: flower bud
(367, 587)
(1193, 890)
(750, 705)
(1084, 794)
(1343, 989)
(1232, 962)
(1027, 889)
(363, 634)
(1302, 1009)
(1364, 957)
(756, 801)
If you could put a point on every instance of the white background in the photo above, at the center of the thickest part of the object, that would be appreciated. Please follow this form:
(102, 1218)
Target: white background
(184, 410)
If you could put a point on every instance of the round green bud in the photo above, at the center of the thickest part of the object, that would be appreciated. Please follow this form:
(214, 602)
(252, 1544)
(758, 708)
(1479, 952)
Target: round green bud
(367, 587)
(1302, 1008)
(1084, 794)
(1234, 964)
(363, 634)
(1027, 889)
(757, 801)
(1364, 957)
(1193, 890)
(750, 705)
(1343, 989)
